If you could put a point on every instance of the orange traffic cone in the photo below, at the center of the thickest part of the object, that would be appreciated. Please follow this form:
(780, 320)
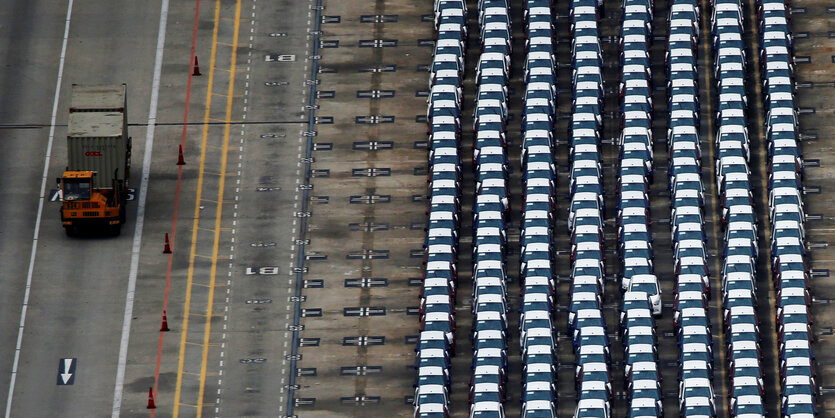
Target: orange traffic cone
(151, 403)
(196, 67)
(167, 249)
(180, 159)
(164, 326)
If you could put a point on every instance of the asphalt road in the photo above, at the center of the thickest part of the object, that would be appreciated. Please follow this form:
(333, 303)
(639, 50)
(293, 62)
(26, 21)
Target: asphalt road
(20, 176)
(77, 294)
(77, 298)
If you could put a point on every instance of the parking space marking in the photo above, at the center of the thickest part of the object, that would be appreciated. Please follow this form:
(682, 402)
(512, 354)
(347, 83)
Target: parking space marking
(308, 91)
(225, 321)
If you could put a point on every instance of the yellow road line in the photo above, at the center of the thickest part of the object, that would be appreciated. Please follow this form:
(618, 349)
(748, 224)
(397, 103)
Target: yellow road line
(717, 276)
(772, 297)
(195, 225)
(219, 214)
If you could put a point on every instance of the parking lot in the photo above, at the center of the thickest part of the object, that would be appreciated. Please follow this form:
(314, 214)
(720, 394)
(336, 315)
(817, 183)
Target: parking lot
(368, 203)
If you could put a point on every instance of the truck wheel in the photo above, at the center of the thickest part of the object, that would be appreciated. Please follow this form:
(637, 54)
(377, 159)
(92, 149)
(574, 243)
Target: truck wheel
(115, 230)
(122, 214)
(71, 231)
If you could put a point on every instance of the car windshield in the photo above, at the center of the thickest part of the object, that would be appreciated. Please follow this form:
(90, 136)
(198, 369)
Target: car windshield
(587, 271)
(644, 375)
(698, 410)
(697, 392)
(802, 389)
(638, 322)
(741, 251)
(787, 233)
(744, 336)
(692, 252)
(798, 371)
(643, 412)
(750, 409)
(486, 414)
(646, 393)
(692, 321)
(739, 268)
(638, 252)
(589, 255)
(481, 396)
(792, 300)
(800, 408)
(798, 352)
(430, 398)
(594, 394)
(695, 373)
(584, 204)
(588, 340)
(702, 356)
(76, 190)
(591, 358)
(536, 323)
(798, 318)
(538, 395)
(637, 236)
(591, 413)
(636, 270)
(746, 390)
(539, 377)
(649, 288)
(640, 357)
(583, 304)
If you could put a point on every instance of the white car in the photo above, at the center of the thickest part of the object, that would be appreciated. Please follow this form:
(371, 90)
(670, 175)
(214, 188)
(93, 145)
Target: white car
(648, 284)
(538, 409)
(589, 280)
(695, 388)
(747, 406)
(592, 408)
(487, 409)
(587, 217)
(695, 407)
(680, 315)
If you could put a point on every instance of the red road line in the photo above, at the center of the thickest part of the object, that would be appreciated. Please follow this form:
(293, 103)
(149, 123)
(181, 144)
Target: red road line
(177, 196)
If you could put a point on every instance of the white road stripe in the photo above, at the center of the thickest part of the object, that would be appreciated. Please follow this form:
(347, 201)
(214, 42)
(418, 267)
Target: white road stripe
(140, 213)
(41, 201)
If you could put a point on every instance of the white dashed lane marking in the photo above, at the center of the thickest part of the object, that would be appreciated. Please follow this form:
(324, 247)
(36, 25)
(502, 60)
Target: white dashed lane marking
(245, 109)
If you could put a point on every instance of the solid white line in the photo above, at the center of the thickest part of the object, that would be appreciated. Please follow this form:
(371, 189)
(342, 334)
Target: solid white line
(140, 213)
(41, 201)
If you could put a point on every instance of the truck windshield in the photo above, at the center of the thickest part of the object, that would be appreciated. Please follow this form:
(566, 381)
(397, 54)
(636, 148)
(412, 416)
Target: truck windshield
(77, 190)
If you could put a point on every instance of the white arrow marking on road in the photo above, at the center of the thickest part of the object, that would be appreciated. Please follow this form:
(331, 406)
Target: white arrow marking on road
(66, 375)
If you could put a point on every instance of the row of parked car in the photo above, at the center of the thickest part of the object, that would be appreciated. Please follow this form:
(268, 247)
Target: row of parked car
(436, 342)
(586, 324)
(538, 341)
(692, 276)
(490, 213)
(733, 179)
(785, 204)
(642, 297)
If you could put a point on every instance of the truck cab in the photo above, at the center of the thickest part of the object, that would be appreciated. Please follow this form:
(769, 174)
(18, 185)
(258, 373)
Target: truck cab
(85, 205)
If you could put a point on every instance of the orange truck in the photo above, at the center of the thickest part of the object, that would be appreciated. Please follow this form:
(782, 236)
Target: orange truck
(94, 186)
